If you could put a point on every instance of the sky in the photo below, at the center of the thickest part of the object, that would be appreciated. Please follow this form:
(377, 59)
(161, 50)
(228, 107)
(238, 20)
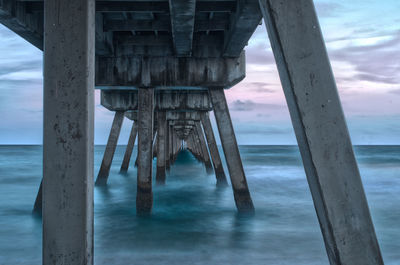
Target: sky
(363, 42)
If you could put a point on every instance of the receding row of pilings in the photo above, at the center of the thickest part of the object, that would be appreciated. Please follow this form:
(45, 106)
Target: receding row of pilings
(162, 133)
(173, 130)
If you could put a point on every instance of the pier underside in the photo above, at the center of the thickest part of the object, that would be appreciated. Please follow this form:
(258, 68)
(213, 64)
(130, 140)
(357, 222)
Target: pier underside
(164, 65)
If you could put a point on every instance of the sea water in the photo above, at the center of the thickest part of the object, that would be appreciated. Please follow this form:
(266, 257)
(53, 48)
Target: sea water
(193, 221)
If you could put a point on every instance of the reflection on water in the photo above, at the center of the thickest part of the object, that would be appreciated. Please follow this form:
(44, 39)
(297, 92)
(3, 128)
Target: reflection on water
(193, 221)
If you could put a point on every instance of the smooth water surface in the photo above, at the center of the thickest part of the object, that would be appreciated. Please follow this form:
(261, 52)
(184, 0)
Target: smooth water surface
(193, 222)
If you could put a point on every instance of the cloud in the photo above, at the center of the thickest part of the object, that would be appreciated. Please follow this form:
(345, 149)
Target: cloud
(249, 105)
(396, 91)
(260, 52)
(379, 62)
(327, 9)
(261, 87)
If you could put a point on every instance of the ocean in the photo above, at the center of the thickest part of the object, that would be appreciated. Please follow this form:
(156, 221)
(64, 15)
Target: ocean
(193, 221)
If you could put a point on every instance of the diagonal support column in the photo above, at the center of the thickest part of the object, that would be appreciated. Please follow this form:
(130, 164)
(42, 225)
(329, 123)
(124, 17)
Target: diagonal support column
(204, 150)
(102, 177)
(212, 146)
(144, 197)
(68, 131)
(129, 148)
(161, 152)
(321, 132)
(199, 150)
(196, 149)
(231, 151)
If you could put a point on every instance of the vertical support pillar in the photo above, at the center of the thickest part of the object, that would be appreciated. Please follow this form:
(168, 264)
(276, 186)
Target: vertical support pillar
(231, 151)
(204, 149)
(171, 145)
(102, 177)
(167, 140)
(144, 197)
(212, 146)
(161, 152)
(129, 148)
(68, 131)
(321, 132)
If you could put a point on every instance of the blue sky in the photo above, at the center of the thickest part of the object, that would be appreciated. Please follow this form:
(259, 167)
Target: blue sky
(363, 41)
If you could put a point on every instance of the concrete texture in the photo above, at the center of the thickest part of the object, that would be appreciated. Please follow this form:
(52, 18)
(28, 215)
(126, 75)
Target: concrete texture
(204, 150)
(68, 131)
(144, 197)
(112, 142)
(169, 71)
(212, 147)
(161, 150)
(321, 132)
(165, 100)
(231, 151)
(129, 148)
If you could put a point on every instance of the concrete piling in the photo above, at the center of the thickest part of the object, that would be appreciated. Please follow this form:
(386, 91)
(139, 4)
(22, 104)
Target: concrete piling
(212, 146)
(129, 148)
(144, 197)
(161, 144)
(68, 129)
(167, 146)
(204, 150)
(231, 151)
(321, 132)
(108, 156)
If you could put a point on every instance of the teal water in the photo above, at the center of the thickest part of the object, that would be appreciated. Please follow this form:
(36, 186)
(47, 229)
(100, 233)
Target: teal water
(193, 222)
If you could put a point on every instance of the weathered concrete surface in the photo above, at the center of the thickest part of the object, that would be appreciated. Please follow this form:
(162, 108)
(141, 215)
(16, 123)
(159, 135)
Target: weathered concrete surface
(183, 115)
(171, 144)
(29, 26)
(144, 197)
(68, 130)
(212, 147)
(198, 145)
(102, 177)
(167, 144)
(231, 151)
(199, 29)
(204, 150)
(169, 71)
(129, 148)
(321, 132)
(246, 19)
(161, 144)
(165, 100)
(182, 20)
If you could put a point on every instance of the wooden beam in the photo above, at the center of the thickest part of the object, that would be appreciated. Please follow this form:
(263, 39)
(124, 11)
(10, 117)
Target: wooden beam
(182, 22)
(243, 23)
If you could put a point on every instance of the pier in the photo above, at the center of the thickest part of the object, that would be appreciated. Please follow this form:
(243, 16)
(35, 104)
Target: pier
(163, 66)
